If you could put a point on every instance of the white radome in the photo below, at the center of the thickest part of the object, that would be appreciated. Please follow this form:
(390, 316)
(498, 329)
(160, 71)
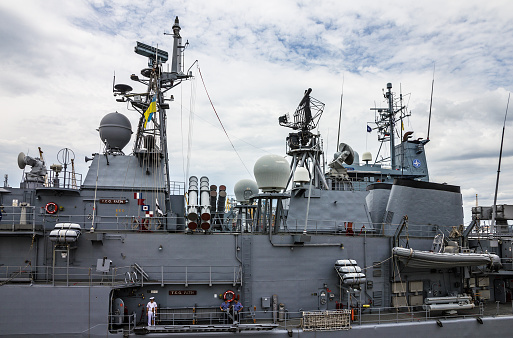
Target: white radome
(271, 173)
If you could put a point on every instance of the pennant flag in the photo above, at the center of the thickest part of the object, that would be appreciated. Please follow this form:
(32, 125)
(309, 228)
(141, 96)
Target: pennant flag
(369, 129)
(140, 201)
(148, 114)
(157, 208)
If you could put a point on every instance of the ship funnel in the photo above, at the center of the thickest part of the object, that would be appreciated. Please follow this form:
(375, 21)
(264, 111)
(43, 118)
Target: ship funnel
(192, 209)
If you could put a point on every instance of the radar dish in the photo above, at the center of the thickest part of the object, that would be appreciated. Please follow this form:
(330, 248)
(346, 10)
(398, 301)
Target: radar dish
(122, 88)
(349, 153)
(146, 72)
(21, 160)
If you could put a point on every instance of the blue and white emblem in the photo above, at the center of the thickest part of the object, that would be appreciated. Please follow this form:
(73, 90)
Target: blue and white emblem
(416, 163)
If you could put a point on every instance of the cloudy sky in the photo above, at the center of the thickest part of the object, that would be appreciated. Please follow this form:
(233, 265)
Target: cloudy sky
(257, 58)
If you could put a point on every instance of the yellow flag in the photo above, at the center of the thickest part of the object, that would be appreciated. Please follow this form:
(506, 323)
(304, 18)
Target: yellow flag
(148, 114)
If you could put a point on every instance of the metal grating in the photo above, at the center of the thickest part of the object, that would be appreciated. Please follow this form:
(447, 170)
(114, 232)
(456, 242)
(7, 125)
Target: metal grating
(326, 320)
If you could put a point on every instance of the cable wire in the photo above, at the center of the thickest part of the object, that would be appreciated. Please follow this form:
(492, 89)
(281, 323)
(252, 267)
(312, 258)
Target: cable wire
(212, 104)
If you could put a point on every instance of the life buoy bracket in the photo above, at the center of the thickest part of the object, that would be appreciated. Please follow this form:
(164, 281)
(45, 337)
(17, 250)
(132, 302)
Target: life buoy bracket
(51, 208)
(225, 296)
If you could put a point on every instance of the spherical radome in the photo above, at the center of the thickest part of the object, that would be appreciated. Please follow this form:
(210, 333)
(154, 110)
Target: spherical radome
(115, 130)
(271, 173)
(244, 189)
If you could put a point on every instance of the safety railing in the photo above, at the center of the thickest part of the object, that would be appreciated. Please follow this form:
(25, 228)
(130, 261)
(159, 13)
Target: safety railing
(317, 320)
(17, 218)
(25, 218)
(125, 275)
(122, 322)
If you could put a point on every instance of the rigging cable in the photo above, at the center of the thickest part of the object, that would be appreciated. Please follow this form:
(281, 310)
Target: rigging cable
(212, 104)
(192, 104)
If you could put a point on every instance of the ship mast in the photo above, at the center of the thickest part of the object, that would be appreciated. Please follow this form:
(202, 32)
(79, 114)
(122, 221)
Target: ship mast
(386, 120)
(150, 145)
(303, 146)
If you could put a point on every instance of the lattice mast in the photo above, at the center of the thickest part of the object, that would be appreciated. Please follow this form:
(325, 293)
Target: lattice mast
(386, 120)
(151, 139)
(303, 146)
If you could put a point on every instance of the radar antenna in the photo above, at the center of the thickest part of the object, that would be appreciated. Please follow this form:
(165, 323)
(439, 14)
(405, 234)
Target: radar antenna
(304, 146)
(65, 156)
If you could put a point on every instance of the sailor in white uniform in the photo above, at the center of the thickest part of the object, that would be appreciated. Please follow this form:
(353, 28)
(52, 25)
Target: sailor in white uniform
(151, 311)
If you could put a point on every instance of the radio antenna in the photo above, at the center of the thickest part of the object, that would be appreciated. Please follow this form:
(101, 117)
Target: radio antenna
(494, 208)
(431, 101)
(340, 114)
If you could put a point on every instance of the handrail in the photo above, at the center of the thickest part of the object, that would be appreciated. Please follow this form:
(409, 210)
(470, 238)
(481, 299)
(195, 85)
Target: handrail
(124, 275)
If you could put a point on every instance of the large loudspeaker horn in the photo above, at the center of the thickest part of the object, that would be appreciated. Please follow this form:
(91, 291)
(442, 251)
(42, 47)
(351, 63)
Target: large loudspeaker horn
(21, 160)
(344, 147)
(87, 159)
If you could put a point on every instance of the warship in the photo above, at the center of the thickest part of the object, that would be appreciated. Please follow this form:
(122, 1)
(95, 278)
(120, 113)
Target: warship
(316, 247)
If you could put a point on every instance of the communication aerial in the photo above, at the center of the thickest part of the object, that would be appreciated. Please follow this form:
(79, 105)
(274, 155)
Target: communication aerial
(304, 146)
(307, 114)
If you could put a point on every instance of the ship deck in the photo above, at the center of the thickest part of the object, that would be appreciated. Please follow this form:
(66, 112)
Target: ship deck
(289, 322)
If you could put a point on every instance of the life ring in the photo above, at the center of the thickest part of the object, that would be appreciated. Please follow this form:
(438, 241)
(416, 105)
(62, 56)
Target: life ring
(51, 208)
(229, 292)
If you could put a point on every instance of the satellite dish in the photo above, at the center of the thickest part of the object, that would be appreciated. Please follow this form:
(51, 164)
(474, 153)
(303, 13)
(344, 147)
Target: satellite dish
(21, 160)
(146, 72)
(349, 159)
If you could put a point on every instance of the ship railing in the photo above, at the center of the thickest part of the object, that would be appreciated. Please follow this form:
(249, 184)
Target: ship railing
(485, 230)
(122, 322)
(386, 315)
(197, 274)
(64, 180)
(314, 320)
(18, 219)
(123, 276)
(349, 228)
(135, 223)
(358, 183)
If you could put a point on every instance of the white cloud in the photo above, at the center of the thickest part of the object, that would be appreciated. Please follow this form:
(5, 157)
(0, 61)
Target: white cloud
(257, 58)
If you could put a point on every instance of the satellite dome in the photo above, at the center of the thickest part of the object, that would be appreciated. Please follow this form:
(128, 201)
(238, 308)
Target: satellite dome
(366, 156)
(115, 131)
(271, 173)
(301, 175)
(244, 189)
